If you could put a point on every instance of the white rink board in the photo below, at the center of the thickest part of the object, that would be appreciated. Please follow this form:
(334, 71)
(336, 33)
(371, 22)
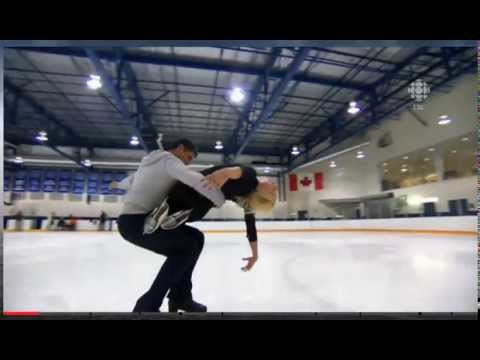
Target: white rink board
(453, 223)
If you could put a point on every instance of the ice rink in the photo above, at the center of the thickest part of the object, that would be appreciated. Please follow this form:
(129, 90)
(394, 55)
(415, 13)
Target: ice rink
(308, 272)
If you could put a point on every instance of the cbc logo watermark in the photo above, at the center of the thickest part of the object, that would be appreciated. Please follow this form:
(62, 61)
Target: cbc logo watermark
(419, 91)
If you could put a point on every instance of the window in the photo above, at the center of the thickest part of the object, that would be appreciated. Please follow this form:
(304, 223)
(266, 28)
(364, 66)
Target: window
(410, 169)
(456, 156)
(459, 157)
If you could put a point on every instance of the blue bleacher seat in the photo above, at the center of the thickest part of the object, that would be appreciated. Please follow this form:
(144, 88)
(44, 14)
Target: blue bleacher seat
(107, 178)
(79, 175)
(78, 187)
(7, 182)
(105, 190)
(93, 183)
(34, 181)
(65, 175)
(119, 176)
(20, 181)
(78, 191)
(34, 187)
(50, 181)
(93, 176)
(79, 182)
(118, 192)
(92, 191)
(65, 182)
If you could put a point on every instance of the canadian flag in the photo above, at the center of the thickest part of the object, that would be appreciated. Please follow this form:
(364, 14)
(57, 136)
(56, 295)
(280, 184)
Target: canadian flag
(306, 182)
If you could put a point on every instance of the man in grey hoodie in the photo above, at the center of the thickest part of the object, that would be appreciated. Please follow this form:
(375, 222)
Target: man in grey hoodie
(148, 188)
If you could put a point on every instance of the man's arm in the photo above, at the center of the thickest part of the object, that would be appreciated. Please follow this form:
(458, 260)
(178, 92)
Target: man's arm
(125, 184)
(176, 169)
(220, 177)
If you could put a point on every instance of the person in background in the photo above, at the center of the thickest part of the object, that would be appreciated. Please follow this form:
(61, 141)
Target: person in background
(51, 221)
(71, 224)
(19, 221)
(102, 220)
(61, 224)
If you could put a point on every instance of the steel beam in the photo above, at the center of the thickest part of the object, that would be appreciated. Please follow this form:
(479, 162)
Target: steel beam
(143, 111)
(201, 64)
(111, 88)
(244, 116)
(455, 73)
(317, 132)
(39, 109)
(275, 97)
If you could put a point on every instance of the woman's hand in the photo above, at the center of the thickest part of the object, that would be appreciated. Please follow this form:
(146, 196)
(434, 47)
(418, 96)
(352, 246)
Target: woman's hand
(252, 259)
(250, 262)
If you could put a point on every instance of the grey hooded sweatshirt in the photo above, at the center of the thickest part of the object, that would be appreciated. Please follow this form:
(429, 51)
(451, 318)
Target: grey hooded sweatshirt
(149, 186)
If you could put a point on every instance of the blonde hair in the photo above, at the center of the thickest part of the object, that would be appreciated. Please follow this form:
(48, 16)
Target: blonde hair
(257, 201)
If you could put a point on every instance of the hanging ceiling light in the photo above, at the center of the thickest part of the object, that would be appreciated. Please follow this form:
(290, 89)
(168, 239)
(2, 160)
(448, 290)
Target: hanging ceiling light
(360, 155)
(42, 136)
(353, 108)
(18, 160)
(94, 82)
(237, 95)
(134, 141)
(218, 145)
(444, 120)
(295, 151)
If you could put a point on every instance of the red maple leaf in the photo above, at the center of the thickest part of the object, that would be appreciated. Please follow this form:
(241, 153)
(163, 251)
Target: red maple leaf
(306, 181)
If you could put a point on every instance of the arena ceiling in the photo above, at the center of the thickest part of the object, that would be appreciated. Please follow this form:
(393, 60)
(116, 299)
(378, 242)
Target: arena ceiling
(291, 96)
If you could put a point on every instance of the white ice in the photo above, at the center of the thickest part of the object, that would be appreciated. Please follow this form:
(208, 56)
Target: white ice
(308, 272)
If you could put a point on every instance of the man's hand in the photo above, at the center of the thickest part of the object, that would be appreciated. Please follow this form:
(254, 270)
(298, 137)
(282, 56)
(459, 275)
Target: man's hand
(250, 262)
(113, 185)
(217, 178)
(220, 177)
(210, 183)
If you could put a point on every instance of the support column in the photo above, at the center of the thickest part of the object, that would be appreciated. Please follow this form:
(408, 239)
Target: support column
(438, 163)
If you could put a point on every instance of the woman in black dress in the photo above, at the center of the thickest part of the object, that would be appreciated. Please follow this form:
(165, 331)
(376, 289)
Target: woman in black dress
(239, 184)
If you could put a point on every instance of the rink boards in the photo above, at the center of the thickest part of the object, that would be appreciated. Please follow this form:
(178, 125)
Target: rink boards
(461, 225)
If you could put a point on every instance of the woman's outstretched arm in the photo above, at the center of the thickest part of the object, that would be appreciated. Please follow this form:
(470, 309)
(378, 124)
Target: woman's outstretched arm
(252, 240)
